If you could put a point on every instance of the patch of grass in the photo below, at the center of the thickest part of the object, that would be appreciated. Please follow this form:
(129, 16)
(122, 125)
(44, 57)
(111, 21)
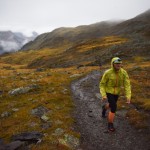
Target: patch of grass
(26, 57)
(53, 93)
(140, 79)
(138, 119)
(138, 59)
(146, 104)
(100, 43)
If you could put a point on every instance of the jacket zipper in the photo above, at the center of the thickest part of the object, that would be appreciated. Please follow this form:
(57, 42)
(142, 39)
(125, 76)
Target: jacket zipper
(116, 83)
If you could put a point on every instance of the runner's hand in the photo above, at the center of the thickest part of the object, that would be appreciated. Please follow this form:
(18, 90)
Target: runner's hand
(104, 98)
(128, 101)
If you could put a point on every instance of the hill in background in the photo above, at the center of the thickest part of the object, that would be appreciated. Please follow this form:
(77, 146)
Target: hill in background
(92, 44)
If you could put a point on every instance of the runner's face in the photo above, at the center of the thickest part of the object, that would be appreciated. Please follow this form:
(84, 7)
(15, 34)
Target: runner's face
(117, 66)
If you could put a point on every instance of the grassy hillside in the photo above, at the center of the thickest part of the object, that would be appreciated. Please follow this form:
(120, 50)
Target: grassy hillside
(53, 90)
(68, 36)
(45, 74)
(140, 79)
(85, 53)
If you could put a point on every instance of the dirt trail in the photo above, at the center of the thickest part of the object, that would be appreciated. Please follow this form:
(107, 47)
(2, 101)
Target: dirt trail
(93, 127)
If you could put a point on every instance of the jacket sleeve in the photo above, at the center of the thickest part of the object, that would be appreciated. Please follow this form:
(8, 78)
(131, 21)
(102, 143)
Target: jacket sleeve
(127, 86)
(102, 85)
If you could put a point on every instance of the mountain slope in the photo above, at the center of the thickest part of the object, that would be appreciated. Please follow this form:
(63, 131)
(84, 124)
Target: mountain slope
(138, 24)
(69, 36)
(88, 45)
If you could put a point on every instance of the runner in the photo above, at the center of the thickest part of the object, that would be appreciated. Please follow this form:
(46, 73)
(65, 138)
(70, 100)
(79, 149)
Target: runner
(110, 86)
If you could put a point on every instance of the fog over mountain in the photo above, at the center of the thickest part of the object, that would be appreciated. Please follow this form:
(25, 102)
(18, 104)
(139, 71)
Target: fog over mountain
(13, 41)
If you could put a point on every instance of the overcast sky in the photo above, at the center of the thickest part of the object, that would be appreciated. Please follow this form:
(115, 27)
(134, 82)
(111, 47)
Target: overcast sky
(47, 15)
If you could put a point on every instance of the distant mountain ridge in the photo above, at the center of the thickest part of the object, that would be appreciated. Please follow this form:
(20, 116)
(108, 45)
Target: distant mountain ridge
(69, 36)
(138, 24)
(13, 41)
(144, 16)
(89, 44)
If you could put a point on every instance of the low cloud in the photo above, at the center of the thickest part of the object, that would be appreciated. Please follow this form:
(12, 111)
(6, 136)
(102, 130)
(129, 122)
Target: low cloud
(13, 41)
(9, 46)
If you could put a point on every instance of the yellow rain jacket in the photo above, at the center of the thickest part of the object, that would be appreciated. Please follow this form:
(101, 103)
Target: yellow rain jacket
(113, 81)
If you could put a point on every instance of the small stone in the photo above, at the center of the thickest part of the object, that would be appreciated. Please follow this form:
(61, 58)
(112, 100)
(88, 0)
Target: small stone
(15, 109)
(45, 118)
(75, 75)
(98, 95)
(46, 125)
(58, 131)
(33, 136)
(5, 114)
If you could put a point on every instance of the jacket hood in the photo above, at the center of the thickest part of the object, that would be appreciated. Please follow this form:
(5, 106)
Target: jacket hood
(114, 59)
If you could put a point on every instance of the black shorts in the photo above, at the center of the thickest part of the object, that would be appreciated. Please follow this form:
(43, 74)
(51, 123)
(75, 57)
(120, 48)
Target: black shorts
(112, 100)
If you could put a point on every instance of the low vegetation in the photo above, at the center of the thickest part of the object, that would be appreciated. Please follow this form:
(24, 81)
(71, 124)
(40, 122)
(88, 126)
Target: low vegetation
(53, 93)
(140, 103)
(53, 88)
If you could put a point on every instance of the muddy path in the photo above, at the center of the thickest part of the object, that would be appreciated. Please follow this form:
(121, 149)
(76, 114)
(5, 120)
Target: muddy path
(93, 127)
